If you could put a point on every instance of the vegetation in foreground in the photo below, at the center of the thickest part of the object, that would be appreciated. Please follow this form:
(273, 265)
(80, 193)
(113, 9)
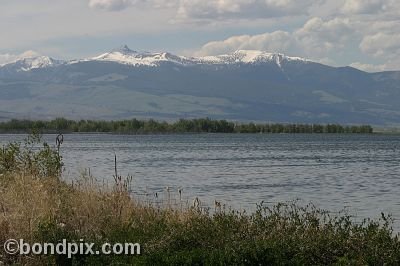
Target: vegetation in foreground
(206, 125)
(38, 206)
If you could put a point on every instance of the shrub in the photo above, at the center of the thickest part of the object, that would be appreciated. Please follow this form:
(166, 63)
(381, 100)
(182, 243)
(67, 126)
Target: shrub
(34, 157)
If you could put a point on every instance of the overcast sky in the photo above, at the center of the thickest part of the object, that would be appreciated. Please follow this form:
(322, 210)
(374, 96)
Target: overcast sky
(360, 33)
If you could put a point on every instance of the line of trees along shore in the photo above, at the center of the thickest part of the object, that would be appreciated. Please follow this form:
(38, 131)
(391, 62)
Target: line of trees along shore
(204, 125)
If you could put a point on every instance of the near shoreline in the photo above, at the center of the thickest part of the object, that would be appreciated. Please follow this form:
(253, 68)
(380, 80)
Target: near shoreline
(37, 206)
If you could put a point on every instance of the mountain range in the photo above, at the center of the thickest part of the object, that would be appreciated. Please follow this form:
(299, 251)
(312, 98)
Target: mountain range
(242, 86)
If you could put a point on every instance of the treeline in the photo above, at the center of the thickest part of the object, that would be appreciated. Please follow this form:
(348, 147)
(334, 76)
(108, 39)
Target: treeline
(205, 125)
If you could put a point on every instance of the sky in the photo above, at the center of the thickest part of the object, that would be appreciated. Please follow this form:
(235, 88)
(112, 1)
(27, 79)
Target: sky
(361, 33)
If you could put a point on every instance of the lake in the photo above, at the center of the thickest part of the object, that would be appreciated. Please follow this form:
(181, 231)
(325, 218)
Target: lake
(356, 172)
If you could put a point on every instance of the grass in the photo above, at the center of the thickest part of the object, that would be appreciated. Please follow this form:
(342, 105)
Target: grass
(37, 206)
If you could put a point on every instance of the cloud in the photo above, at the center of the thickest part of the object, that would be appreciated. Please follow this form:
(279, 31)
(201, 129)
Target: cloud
(278, 41)
(6, 58)
(320, 37)
(9, 58)
(381, 45)
(315, 39)
(390, 65)
(325, 40)
(368, 67)
(365, 6)
(214, 9)
(118, 5)
(242, 9)
(337, 32)
(111, 5)
(250, 9)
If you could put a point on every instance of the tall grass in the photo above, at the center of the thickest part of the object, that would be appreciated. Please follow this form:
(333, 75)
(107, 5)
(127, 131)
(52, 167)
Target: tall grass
(37, 206)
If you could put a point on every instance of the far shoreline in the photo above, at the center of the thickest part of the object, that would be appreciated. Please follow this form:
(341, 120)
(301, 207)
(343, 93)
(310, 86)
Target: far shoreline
(182, 126)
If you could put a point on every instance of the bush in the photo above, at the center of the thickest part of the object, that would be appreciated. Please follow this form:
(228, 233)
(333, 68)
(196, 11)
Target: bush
(34, 157)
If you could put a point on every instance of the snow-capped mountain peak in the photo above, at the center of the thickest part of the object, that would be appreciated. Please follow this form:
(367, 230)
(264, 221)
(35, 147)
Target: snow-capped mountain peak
(125, 55)
(33, 61)
(249, 57)
(37, 62)
(12, 58)
(124, 49)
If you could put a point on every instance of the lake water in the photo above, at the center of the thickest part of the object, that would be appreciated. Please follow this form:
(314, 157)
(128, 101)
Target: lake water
(357, 172)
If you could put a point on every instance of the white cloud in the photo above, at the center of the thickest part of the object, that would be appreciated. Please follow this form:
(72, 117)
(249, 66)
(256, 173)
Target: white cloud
(278, 41)
(391, 64)
(337, 32)
(9, 58)
(365, 6)
(246, 9)
(369, 67)
(111, 5)
(6, 58)
(381, 45)
(315, 39)
(215, 9)
(320, 37)
(323, 40)
(118, 5)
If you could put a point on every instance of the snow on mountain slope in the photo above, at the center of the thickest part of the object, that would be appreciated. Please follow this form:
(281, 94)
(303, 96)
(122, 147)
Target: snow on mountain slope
(249, 57)
(38, 62)
(243, 85)
(30, 63)
(124, 55)
(12, 58)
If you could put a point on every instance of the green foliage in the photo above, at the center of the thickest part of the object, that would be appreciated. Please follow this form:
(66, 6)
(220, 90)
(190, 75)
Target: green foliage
(203, 125)
(284, 234)
(32, 157)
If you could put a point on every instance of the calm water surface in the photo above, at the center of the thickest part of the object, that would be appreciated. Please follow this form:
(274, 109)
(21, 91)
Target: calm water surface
(359, 172)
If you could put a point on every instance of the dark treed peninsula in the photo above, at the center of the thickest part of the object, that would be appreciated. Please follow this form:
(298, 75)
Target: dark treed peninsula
(204, 125)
